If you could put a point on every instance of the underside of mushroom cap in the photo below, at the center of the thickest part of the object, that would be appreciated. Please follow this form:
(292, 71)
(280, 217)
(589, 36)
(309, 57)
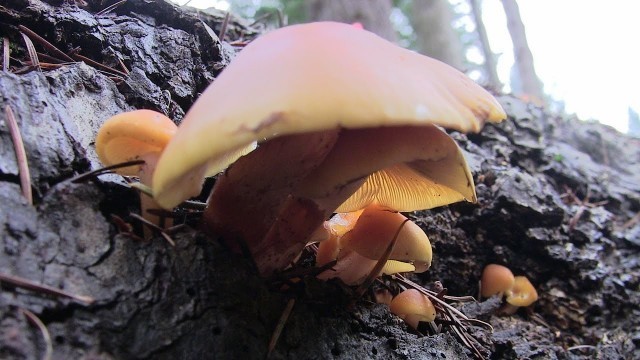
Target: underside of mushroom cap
(314, 77)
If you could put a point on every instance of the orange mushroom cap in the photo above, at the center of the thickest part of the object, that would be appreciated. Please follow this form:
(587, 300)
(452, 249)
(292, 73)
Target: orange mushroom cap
(413, 306)
(132, 135)
(522, 293)
(496, 279)
(375, 229)
(314, 77)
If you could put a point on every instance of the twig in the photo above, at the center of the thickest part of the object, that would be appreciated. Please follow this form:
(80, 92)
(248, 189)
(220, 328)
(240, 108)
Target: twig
(223, 28)
(6, 54)
(280, 326)
(145, 189)
(54, 50)
(429, 294)
(104, 170)
(43, 330)
(110, 7)
(51, 59)
(154, 227)
(123, 66)
(33, 54)
(96, 64)
(21, 155)
(380, 264)
(30, 285)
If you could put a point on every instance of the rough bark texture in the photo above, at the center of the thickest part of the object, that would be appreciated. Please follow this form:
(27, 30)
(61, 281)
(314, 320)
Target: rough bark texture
(197, 300)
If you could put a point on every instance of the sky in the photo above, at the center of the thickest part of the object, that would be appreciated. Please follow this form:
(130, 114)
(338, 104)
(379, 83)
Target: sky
(586, 52)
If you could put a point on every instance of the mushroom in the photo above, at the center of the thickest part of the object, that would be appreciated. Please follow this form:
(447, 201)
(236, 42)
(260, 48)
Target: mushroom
(359, 240)
(344, 119)
(413, 306)
(136, 135)
(376, 227)
(522, 293)
(496, 279)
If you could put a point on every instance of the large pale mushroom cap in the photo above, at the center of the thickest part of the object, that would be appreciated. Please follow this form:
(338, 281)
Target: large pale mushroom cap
(314, 77)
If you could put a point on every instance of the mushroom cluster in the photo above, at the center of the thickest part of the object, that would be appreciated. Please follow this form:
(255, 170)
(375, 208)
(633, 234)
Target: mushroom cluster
(517, 290)
(343, 119)
(357, 240)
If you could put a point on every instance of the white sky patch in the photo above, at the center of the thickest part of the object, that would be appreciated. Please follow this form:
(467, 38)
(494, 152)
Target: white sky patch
(204, 4)
(586, 53)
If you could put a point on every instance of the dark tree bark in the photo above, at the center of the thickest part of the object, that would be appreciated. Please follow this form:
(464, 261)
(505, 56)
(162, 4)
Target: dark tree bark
(558, 203)
(372, 14)
(435, 36)
(528, 84)
(489, 65)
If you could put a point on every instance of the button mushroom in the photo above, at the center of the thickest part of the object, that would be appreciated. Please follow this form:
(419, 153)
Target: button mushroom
(496, 279)
(522, 293)
(136, 135)
(343, 118)
(412, 306)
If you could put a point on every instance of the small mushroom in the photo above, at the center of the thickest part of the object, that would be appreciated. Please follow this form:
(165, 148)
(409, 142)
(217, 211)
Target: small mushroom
(496, 279)
(375, 228)
(522, 293)
(136, 135)
(344, 119)
(360, 239)
(413, 306)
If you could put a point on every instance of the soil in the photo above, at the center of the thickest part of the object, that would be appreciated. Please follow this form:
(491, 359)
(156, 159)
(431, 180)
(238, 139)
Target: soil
(559, 202)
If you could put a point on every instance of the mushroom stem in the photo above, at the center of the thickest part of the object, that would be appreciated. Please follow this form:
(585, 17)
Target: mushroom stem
(145, 174)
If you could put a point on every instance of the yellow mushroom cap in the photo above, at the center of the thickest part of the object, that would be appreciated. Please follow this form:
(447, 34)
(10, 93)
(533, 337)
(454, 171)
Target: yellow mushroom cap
(496, 279)
(413, 306)
(132, 135)
(314, 77)
(375, 229)
(522, 293)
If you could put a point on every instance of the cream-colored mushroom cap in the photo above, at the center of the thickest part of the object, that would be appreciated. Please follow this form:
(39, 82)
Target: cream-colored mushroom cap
(314, 77)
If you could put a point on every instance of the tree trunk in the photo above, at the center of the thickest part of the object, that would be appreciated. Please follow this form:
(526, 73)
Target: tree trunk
(435, 36)
(528, 84)
(373, 14)
(490, 65)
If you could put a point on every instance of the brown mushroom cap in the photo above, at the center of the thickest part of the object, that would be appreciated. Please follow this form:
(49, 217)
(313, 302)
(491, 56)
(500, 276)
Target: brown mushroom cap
(314, 77)
(131, 136)
(496, 279)
(412, 306)
(522, 293)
